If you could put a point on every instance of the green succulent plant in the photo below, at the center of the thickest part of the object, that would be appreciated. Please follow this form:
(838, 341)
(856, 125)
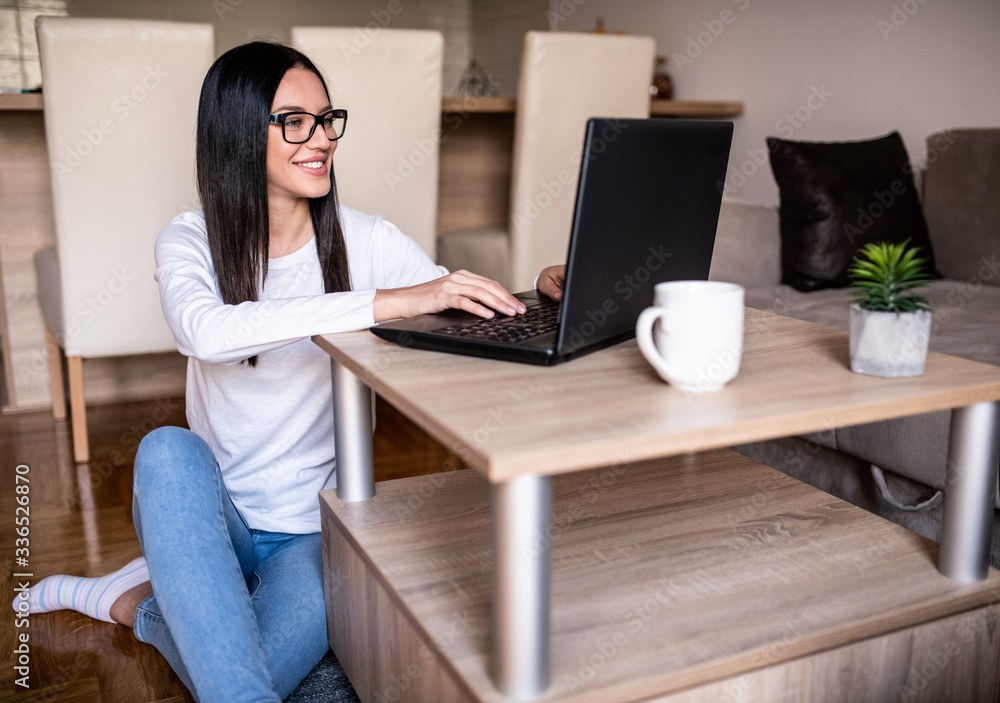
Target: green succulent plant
(885, 276)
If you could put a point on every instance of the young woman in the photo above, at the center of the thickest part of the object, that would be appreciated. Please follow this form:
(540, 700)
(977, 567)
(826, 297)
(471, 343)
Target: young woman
(230, 586)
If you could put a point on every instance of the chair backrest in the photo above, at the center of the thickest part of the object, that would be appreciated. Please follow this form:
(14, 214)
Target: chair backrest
(120, 99)
(565, 79)
(390, 83)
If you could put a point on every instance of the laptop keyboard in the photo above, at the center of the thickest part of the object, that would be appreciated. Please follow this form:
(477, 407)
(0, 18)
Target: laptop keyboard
(536, 321)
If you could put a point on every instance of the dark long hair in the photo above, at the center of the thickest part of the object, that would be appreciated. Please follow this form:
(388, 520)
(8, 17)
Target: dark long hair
(236, 100)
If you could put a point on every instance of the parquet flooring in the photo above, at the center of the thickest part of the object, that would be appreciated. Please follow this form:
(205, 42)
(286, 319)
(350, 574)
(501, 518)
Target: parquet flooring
(81, 523)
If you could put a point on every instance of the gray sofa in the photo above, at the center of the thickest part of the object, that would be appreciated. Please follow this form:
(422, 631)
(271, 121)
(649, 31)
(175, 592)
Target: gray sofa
(895, 469)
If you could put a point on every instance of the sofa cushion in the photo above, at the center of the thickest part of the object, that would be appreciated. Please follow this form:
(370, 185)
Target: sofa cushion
(962, 203)
(838, 196)
(965, 323)
(747, 249)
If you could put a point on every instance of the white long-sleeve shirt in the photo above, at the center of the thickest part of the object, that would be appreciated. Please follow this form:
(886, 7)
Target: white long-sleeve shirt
(271, 427)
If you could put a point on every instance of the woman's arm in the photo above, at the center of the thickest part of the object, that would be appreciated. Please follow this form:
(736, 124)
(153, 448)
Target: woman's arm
(411, 284)
(407, 282)
(461, 290)
(214, 332)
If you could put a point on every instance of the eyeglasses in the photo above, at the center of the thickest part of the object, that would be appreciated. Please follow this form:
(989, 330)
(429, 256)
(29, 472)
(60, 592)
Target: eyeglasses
(298, 127)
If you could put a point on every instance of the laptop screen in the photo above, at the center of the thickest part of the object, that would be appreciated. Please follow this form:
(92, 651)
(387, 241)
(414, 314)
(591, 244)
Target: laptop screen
(647, 208)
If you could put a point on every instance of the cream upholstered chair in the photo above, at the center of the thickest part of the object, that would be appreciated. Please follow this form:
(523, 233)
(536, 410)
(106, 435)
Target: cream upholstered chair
(120, 99)
(390, 84)
(565, 79)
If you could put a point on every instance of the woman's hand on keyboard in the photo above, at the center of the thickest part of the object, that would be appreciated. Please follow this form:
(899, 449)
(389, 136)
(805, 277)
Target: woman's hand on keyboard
(460, 290)
(551, 281)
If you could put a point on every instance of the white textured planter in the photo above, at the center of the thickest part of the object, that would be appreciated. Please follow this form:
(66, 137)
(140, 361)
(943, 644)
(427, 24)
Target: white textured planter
(889, 344)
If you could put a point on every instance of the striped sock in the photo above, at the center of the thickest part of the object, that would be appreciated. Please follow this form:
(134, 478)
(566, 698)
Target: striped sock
(91, 596)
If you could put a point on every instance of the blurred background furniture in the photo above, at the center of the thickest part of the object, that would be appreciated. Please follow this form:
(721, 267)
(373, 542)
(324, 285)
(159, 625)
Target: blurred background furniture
(896, 469)
(390, 84)
(474, 189)
(120, 129)
(565, 79)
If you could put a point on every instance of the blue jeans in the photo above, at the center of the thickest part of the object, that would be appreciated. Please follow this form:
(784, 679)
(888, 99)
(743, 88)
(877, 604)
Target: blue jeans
(238, 613)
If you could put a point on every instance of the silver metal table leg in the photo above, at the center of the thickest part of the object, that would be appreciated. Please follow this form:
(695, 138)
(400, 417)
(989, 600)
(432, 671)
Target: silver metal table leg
(352, 427)
(522, 514)
(967, 522)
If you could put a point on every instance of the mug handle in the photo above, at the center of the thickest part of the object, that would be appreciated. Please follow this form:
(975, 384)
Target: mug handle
(644, 336)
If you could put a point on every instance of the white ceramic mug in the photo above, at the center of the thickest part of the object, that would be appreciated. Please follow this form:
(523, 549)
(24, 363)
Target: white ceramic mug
(697, 341)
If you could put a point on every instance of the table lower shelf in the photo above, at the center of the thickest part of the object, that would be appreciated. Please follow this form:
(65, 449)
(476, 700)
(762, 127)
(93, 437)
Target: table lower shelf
(684, 579)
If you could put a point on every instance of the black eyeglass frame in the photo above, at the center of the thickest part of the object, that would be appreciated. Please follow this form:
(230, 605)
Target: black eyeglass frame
(280, 118)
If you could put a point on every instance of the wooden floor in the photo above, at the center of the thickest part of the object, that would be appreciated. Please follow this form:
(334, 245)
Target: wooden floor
(81, 523)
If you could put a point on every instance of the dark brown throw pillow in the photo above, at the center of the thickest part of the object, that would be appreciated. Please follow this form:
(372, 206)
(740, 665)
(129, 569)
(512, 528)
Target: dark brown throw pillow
(838, 196)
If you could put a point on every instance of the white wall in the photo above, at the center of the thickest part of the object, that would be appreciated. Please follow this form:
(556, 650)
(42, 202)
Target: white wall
(490, 30)
(850, 69)
(498, 37)
(238, 21)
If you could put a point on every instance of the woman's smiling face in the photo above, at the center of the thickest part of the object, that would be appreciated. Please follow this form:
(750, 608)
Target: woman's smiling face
(296, 171)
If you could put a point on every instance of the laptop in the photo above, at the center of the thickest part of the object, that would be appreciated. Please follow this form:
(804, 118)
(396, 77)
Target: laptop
(647, 208)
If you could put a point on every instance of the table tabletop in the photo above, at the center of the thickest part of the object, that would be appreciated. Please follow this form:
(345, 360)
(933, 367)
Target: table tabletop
(507, 419)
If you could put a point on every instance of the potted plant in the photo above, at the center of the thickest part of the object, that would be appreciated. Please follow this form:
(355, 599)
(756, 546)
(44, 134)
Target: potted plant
(890, 324)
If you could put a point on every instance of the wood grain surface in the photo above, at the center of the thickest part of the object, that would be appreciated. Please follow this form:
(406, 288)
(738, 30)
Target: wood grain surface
(659, 108)
(695, 108)
(666, 575)
(507, 419)
(477, 150)
(26, 225)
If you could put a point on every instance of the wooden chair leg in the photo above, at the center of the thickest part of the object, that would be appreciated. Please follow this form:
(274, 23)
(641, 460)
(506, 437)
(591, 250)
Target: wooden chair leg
(78, 409)
(56, 387)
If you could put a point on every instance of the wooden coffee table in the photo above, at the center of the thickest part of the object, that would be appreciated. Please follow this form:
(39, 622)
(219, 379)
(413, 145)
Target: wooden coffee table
(442, 584)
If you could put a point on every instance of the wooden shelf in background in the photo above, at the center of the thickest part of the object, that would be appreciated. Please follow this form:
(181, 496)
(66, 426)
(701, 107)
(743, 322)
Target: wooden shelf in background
(473, 104)
(657, 108)
(695, 108)
(20, 101)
